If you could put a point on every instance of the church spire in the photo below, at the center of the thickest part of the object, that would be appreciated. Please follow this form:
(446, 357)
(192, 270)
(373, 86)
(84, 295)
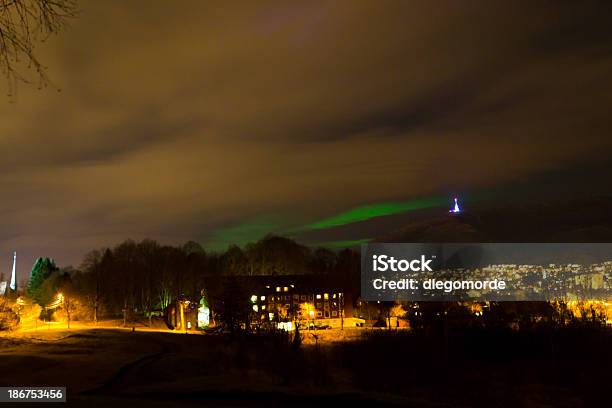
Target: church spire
(13, 284)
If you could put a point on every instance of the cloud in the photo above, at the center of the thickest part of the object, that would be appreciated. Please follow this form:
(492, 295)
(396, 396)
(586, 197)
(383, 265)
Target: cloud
(180, 122)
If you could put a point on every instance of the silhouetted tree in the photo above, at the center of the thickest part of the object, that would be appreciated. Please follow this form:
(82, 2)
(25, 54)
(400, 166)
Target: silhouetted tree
(91, 289)
(41, 271)
(229, 299)
(22, 24)
(136, 278)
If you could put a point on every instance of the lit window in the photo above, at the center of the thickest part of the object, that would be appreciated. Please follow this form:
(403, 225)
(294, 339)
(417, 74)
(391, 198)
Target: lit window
(278, 288)
(270, 316)
(326, 296)
(262, 298)
(334, 296)
(318, 296)
(287, 326)
(263, 307)
(254, 298)
(255, 308)
(285, 289)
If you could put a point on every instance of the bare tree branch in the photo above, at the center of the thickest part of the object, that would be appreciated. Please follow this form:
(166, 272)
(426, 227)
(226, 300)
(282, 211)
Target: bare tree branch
(23, 23)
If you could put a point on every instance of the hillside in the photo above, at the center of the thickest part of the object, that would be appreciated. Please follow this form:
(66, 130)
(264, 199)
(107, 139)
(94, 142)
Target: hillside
(575, 221)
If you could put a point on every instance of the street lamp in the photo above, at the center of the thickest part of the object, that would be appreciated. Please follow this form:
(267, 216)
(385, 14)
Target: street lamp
(183, 304)
(311, 313)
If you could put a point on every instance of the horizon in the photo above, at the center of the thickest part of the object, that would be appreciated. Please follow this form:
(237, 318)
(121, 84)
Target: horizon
(351, 218)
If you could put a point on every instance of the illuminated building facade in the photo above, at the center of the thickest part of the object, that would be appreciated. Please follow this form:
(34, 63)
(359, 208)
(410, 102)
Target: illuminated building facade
(272, 301)
(306, 298)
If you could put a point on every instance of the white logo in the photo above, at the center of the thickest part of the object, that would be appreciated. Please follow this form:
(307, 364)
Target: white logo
(382, 263)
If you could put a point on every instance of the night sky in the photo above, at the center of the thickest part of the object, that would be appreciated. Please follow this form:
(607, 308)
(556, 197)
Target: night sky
(219, 123)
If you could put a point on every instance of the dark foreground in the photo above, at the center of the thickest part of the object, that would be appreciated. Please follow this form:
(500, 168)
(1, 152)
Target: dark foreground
(103, 367)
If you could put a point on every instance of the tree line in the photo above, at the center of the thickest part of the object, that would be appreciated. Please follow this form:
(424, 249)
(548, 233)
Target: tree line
(140, 278)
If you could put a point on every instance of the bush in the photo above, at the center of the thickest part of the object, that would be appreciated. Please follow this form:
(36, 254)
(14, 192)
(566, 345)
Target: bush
(9, 320)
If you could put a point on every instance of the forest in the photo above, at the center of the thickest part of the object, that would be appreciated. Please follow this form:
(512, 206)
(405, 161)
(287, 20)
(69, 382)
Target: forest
(139, 279)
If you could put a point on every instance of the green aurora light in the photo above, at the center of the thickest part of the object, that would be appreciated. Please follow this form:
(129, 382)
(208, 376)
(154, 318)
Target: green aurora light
(258, 227)
(366, 212)
(246, 232)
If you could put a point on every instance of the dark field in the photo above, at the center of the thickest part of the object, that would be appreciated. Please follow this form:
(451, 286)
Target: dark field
(556, 368)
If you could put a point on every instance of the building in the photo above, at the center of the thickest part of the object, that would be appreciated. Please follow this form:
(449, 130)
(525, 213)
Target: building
(272, 301)
(308, 299)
